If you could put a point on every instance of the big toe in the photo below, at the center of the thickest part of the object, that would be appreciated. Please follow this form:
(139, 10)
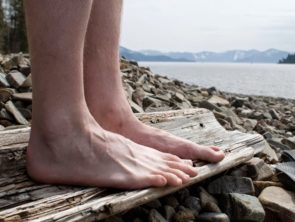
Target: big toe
(211, 154)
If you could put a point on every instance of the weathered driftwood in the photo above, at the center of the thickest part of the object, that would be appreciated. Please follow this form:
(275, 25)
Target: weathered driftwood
(21, 199)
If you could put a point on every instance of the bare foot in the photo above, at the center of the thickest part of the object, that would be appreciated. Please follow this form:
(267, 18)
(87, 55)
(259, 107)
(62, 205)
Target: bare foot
(121, 120)
(75, 153)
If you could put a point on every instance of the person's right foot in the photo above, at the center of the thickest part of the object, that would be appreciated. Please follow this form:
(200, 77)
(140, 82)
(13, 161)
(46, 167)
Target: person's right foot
(85, 154)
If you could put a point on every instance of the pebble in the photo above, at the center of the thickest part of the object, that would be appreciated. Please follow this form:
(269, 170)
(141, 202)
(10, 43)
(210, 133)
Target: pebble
(155, 216)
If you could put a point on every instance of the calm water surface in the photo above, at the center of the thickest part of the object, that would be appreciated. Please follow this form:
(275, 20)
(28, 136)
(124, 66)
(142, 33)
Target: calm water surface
(252, 79)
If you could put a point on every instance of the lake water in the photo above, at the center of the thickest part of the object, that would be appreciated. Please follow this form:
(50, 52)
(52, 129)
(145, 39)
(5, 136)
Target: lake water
(252, 79)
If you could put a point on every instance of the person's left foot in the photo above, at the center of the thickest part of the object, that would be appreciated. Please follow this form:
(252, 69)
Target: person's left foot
(123, 121)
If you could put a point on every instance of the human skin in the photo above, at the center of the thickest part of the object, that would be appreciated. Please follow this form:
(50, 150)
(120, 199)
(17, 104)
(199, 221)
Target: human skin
(68, 143)
(105, 94)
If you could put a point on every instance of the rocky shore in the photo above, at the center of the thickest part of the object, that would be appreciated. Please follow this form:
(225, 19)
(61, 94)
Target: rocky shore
(259, 190)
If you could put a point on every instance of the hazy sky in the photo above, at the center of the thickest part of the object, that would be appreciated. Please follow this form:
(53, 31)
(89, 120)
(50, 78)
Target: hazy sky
(217, 25)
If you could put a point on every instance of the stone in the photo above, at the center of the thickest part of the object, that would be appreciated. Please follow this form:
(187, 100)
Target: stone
(135, 108)
(230, 184)
(249, 124)
(208, 202)
(170, 200)
(28, 82)
(4, 115)
(10, 107)
(269, 154)
(6, 94)
(274, 114)
(168, 212)
(217, 100)
(182, 195)
(290, 142)
(280, 202)
(113, 219)
(204, 93)
(137, 220)
(178, 97)
(241, 171)
(156, 204)
(277, 144)
(239, 102)
(213, 217)
(15, 78)
(151, 102)
(242, 207)
(193, 203)
(155, 216)
(205, 104)
(261, 185)
(137, 212)
(3, 80)
(183, 215)
(26, 96)
(138, 96)
(258, 169)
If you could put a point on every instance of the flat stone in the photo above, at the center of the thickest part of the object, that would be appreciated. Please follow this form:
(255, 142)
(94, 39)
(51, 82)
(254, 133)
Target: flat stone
(15, 78)
(279, 201)
(26, 96)
(258, 169)
(213, 217)
(3, 80)
(217, 100)
(249, 124)
(208, 202)
(269, 154)
(242, 207)
(10, 107)
(230, 184)
(155, 216)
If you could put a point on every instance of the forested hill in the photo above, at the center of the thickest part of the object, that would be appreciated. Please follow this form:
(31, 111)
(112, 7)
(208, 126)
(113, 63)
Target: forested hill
(290, 59)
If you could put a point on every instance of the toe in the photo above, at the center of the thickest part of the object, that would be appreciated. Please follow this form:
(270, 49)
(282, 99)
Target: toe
(210, 154)
(184, 167)
(155, 180)
(172, 179)
(183, 176)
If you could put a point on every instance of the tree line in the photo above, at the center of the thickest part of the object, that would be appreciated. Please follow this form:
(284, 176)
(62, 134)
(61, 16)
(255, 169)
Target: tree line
(290, 59)
(12, 27)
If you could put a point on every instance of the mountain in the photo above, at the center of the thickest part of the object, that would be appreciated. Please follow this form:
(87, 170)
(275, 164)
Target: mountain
(237, 56)
(153, 56)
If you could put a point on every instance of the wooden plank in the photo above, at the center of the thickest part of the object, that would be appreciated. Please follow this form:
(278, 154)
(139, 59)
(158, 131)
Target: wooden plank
(21, 199)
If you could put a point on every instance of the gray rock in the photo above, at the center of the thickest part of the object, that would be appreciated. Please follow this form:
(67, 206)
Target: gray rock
(217, 100)
(113, 219)
(290, 142)
(208, 202)
(280, 202)
(155, 216)
(205, 104)
(230, 184)
(277, 144)
(178, 97)
(10, 107)
(213, 217)
(239, 102)
(15, 78)
(156, 204)
(168, 212)
(249, 124)
(138, 96)
(183, 215)
(242, 207)
(258, 169)
(193, 203)
(3, 80)
(274, 114)
(182, 195)
(170, 200)
(135, 108)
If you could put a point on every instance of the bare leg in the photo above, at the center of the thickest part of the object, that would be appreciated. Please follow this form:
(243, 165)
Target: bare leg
(104, 92)
(67, 146)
